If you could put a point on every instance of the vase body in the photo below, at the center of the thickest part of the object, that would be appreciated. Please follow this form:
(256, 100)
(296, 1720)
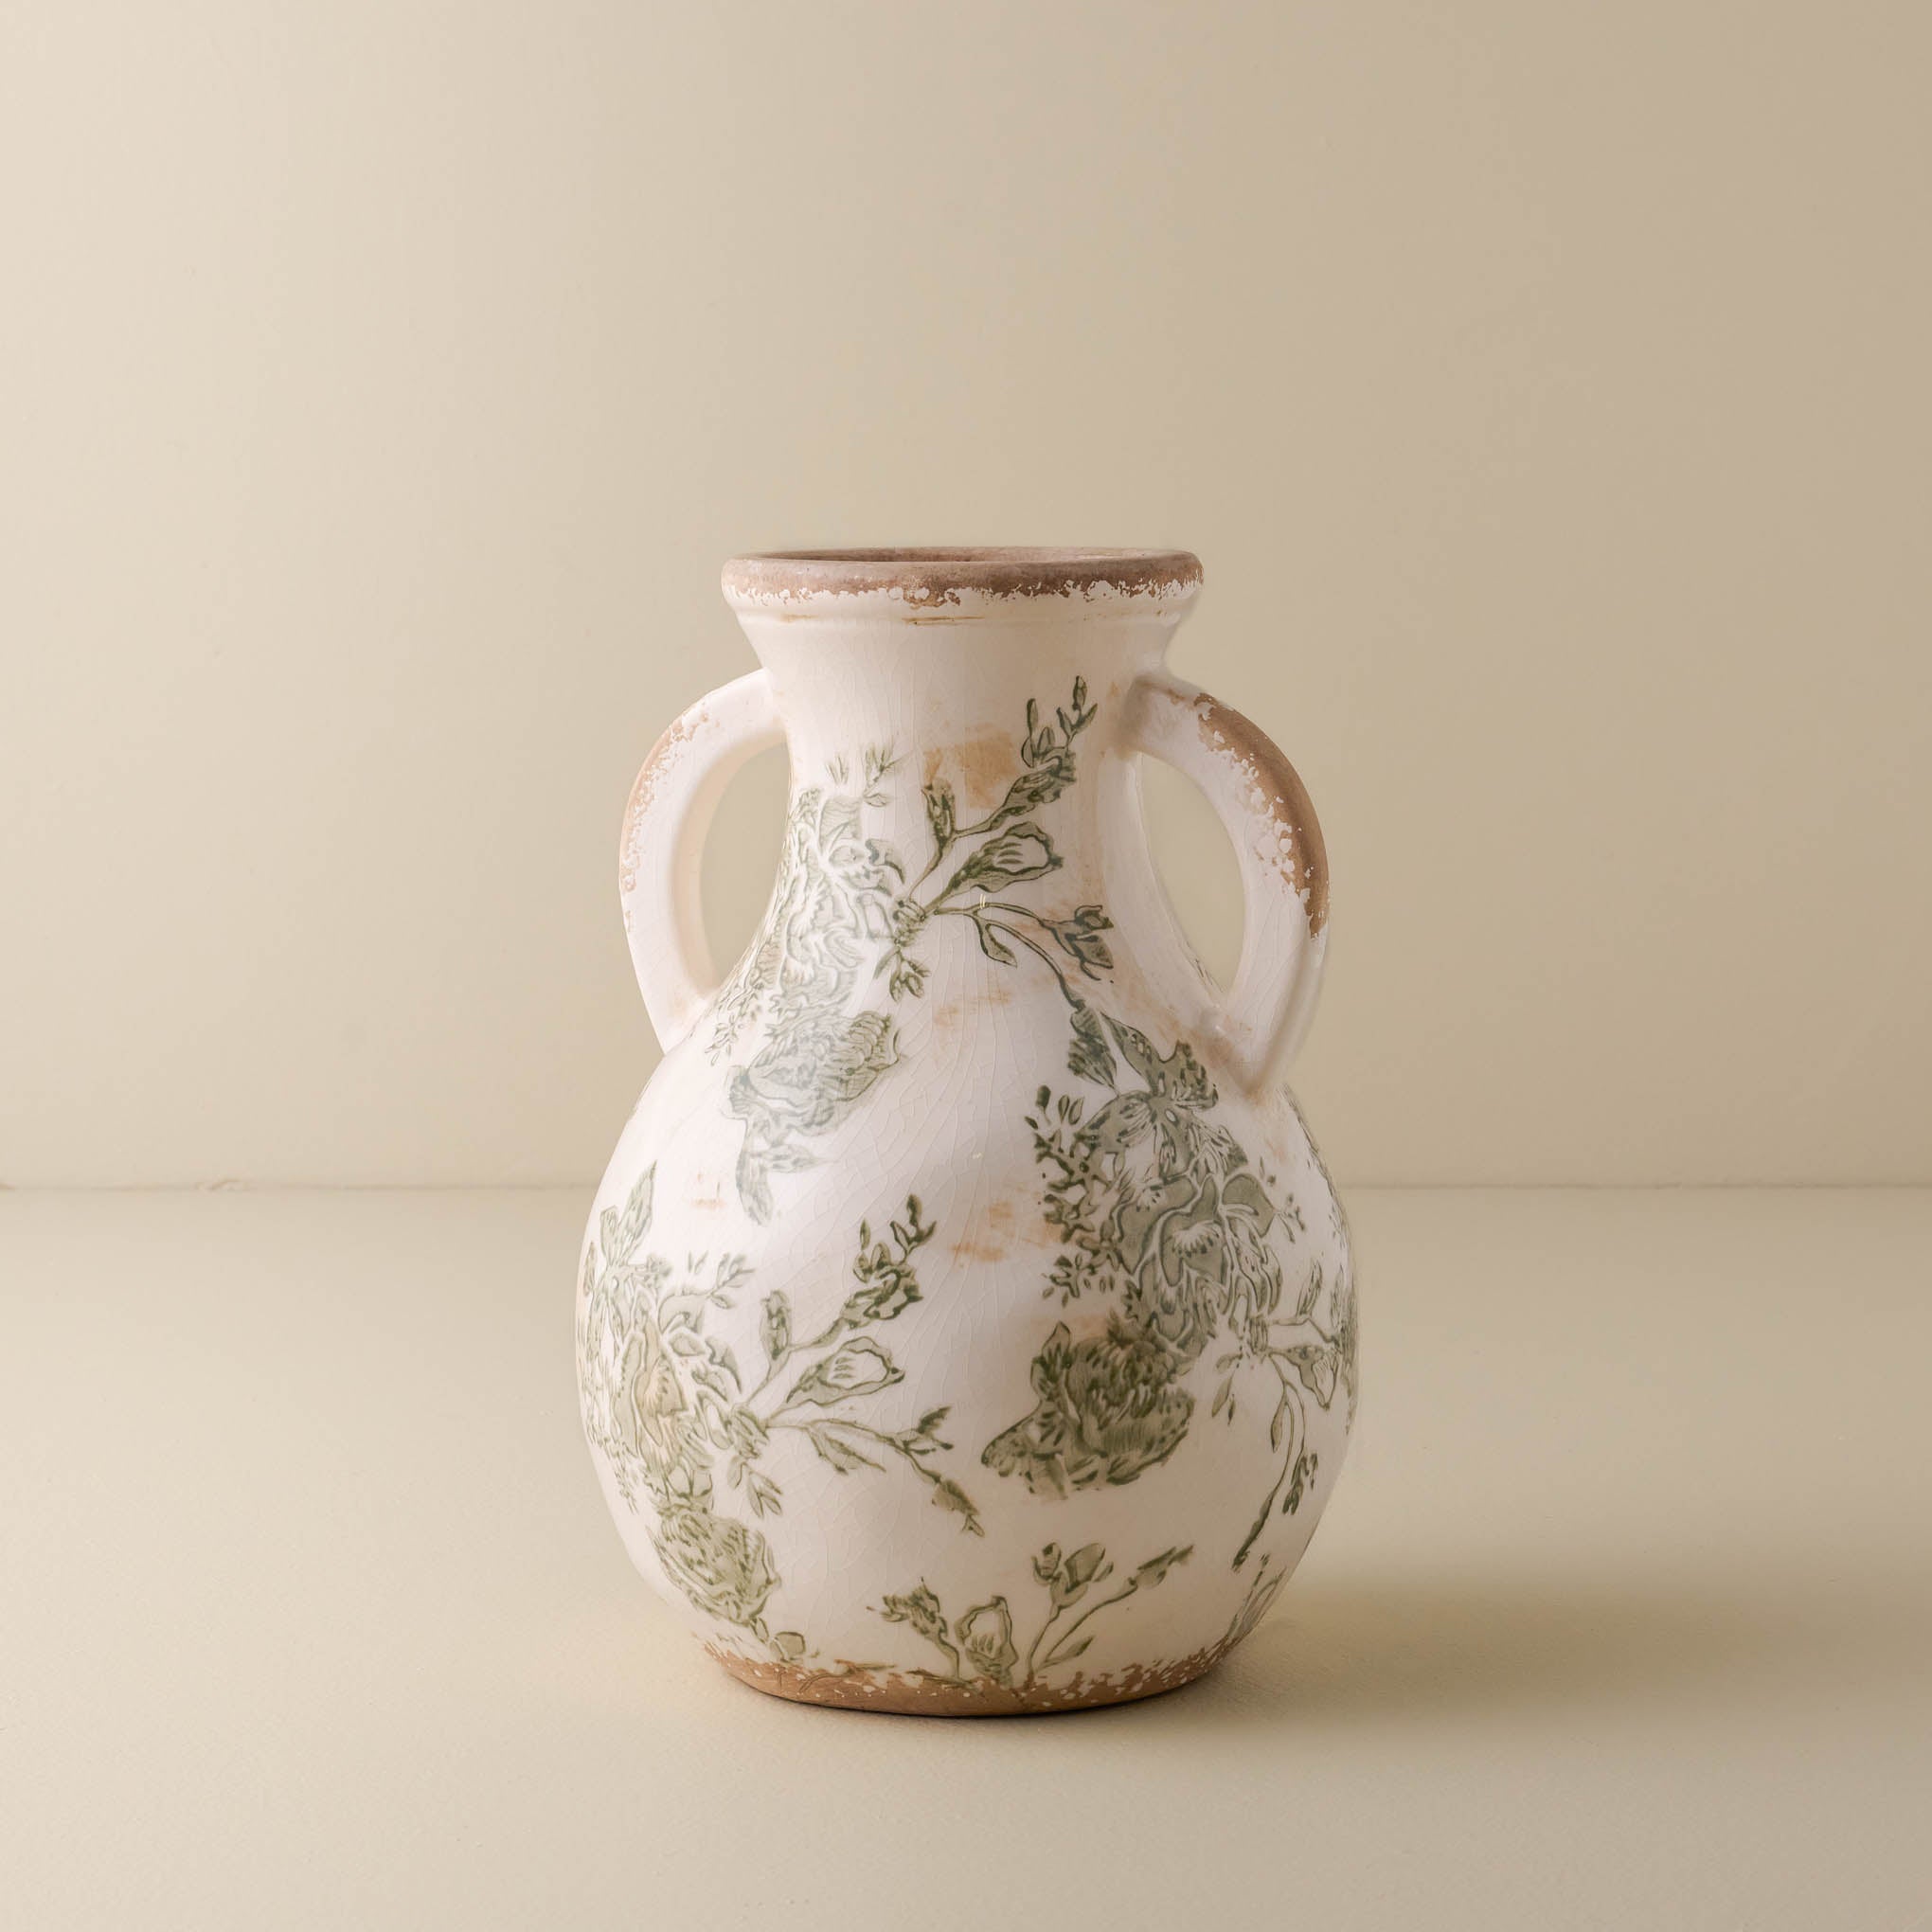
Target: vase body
(966, 1321)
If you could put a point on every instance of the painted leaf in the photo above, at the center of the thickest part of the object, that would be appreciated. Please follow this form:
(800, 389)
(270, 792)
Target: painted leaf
(1079, 1572)
(947, 1495)
(1316, 1369)
(1155, 1567)
(1090, 1057)
(753, 1186)
(919, 1608)
(1138, 1052)
(1244, 1192)
(774, 1326)
(838, 1450)
(636, 1222)
(992, 945)
(940, 812)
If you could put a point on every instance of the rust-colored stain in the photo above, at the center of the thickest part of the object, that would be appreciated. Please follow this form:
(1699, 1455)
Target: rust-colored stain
(1300, 853)
(985, 764)
(1085, 1324)
(988, 1237)
(877, 1687)
(932, 577)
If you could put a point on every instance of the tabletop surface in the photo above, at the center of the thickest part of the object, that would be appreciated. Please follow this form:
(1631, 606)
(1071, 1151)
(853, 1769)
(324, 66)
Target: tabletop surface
(311, 1613)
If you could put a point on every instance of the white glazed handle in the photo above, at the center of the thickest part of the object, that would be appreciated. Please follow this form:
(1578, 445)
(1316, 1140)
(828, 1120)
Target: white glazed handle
(1283, 865)
(658, 858)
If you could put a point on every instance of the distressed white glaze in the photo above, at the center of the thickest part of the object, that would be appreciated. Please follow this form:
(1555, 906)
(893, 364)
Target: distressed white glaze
(843, 1203)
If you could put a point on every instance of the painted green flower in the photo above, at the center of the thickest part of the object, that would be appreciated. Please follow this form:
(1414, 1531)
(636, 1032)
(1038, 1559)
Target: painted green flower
(1077, 1574)
(1344, 1329)
(919, 1608)
(1177, 1093)
(1021, 852)
(985, 1640)
(1165, 1203)
(1194, 1251)
(858, 1368)
(808, 1076)
(1109, 1407)
(1080, 936)
(653, 1415)
(723, 1567)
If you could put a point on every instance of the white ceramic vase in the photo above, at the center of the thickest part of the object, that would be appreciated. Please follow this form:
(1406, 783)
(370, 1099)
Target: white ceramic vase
(966, 1320)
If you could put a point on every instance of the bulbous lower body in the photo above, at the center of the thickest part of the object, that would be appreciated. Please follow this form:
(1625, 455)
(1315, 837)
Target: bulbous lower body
(916, 1382)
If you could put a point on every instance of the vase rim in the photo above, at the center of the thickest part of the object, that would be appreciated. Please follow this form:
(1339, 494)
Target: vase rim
(939, 575)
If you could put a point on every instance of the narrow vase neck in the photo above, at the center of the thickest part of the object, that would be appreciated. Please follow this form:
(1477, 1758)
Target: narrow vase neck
(916, 689)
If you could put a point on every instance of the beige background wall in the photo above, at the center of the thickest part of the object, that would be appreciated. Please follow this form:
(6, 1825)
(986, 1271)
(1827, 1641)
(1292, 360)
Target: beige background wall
(1543, 385)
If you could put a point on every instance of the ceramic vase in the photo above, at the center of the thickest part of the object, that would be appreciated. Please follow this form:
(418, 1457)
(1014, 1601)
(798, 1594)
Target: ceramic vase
(966, 1322)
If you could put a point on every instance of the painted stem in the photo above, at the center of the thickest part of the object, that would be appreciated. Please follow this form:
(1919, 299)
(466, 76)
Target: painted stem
(1055, 1654)
(975, 913)
(1291, 1403)
(878, 1435)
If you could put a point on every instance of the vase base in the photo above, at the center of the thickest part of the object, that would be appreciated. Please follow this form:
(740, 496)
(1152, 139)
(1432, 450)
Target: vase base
(848, 1687)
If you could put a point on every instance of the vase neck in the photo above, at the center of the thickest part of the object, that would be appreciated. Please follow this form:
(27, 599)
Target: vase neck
(915, 687)
(954, 782)
(946, 705)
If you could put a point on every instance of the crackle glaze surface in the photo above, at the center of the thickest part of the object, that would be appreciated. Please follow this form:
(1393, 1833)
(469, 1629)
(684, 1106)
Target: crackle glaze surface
(966, 1322)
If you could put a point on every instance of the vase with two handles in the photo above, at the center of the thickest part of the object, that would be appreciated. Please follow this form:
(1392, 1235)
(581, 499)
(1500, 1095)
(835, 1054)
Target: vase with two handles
(966, 1322)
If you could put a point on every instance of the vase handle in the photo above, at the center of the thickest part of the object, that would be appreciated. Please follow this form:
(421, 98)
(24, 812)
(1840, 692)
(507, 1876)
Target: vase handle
(1284, 878)
(671, 803)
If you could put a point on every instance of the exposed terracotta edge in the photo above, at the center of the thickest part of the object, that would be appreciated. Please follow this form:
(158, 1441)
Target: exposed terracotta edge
(936, 576)
(855, 1687)
(1274, 787)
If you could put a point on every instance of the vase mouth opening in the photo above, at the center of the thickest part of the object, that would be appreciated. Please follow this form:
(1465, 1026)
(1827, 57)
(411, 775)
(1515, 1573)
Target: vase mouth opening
(963, 581)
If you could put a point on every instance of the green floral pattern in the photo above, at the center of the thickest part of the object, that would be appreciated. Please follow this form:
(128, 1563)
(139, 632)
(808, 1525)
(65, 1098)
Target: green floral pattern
(843, 917)
(804, 977)
(1108, 1408)
(1159, 1207)
(1158, 1213)
(666, 1405)
(980, 1646)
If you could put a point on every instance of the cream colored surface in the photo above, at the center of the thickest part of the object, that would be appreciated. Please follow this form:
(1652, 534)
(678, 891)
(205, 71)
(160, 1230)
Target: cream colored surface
(1544, 387)
(311, 1616)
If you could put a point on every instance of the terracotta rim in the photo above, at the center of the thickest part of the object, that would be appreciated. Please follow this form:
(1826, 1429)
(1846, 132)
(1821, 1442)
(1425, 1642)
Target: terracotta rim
(939, 574)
